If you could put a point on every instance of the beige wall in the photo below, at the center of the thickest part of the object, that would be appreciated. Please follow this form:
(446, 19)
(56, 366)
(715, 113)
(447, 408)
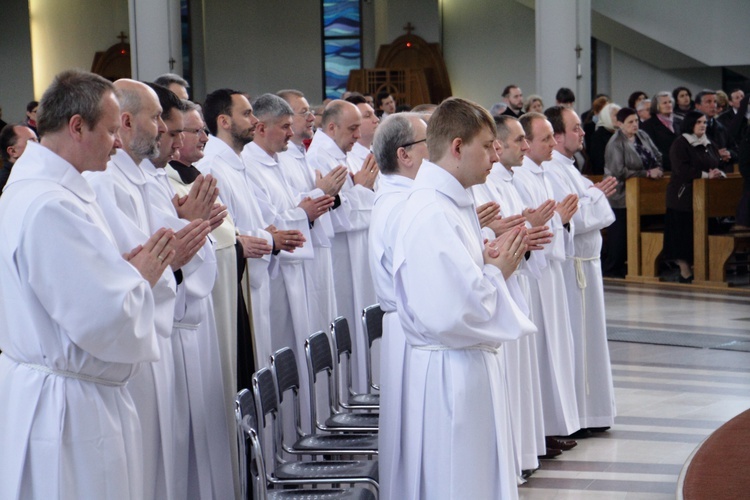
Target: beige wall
(67, 34)
(488, 45)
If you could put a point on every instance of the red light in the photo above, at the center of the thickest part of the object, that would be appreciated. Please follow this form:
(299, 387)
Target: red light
(408, 44)
(123, 52)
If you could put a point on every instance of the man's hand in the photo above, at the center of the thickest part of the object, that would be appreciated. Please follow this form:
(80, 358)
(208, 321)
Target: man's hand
(725, 154)
(487, 212)
(503, 224)
(253, 247)
(189, 240)
(317, 207)
(538, 237)
(286, 240)
(368, 173)
(197, 204)
(567, 208)
(506, 251)
(218, 214)
(153, 257)
(608, 186)
(540, 215)
(331, 183)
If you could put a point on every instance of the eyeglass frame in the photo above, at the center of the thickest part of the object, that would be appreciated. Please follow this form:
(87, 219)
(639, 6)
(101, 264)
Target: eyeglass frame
(408, 144)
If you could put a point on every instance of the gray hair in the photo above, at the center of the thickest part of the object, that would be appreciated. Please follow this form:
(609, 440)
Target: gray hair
(71, 93)
(168, 78)
(498, 108)
(605, 116)
(287, 94)
(655, 100)
(130, 99)
(392, 133)
(190, 106)
(271, 106)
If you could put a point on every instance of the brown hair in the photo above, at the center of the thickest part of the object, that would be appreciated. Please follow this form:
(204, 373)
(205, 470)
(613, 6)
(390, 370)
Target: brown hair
(456, 118)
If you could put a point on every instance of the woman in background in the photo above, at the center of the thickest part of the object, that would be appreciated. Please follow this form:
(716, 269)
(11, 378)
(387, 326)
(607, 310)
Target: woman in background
(693, 157)
(683, 99)
(534, 103)
(629, 153)
(606, 126)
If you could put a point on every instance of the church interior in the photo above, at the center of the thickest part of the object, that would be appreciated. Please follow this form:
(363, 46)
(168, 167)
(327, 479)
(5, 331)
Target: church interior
(680, 353)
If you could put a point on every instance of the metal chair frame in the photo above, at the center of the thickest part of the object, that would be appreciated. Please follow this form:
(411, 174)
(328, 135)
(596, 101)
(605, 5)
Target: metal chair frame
(247, 428)
(372, 319)
(342, 343)
(320, 360)
(286, 378)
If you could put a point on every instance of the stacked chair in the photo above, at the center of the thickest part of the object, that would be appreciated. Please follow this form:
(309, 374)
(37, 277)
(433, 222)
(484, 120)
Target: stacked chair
(342, 444)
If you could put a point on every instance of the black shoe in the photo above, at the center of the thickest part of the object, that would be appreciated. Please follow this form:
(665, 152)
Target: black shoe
(551, 453)
(689, 279)
(597, 430)
(559, 444)
(526, 473)
(579, 434)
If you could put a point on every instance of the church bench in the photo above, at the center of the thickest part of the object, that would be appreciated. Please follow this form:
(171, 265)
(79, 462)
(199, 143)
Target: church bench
(714, 198)
(644, 197)
(720, 248)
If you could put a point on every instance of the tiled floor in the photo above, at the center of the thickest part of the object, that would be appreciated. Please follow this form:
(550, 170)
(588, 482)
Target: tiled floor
(668, 398)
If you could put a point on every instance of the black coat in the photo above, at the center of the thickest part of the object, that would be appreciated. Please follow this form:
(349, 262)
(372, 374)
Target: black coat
(663, 137)
(688, 163)
(597, 146)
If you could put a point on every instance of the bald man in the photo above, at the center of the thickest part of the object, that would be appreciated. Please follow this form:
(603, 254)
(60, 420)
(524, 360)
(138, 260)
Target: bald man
(123, 196)
(336, 137)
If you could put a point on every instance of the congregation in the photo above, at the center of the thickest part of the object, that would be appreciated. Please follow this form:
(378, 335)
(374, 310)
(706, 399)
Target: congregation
(157, 251)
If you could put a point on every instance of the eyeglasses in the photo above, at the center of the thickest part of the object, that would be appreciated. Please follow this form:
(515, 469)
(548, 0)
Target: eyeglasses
(196, 131)
(412, 143)
(307, 113)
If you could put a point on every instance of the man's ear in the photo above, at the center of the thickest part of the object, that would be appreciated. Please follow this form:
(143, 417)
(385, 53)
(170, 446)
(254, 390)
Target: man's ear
(457, 145)
(224, 122)
(75, 127)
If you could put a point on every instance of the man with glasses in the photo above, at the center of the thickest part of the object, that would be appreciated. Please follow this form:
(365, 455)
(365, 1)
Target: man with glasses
(200, 438)
(399, 147)
(306, 183)
(182, 176)
(123, 195)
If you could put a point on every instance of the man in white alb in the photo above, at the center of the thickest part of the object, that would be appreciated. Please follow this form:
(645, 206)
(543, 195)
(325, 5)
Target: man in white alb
(583, 272)
(455, 310)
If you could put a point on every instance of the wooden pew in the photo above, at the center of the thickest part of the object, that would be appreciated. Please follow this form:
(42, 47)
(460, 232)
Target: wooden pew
(715, 198)
(644, 196)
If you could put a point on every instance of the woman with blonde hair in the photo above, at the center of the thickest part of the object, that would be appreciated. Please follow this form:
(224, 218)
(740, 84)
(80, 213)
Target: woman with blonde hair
(534, 103)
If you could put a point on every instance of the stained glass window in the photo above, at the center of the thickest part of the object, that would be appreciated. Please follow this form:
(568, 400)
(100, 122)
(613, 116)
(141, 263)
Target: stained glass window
(342, 43)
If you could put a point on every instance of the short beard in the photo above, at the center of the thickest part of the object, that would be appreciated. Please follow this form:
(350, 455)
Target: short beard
(144, 147)
(237, 138)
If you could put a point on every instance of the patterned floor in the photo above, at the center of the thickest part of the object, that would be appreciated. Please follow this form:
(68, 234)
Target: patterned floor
(681, 369)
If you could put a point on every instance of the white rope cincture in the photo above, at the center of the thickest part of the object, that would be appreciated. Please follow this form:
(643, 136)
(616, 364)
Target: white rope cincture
(478, 347)
(64, 373)
(184, 326)
(581, 280)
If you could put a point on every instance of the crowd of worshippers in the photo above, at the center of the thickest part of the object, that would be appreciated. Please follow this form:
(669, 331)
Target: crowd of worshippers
(671, 133)
(155, 253)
